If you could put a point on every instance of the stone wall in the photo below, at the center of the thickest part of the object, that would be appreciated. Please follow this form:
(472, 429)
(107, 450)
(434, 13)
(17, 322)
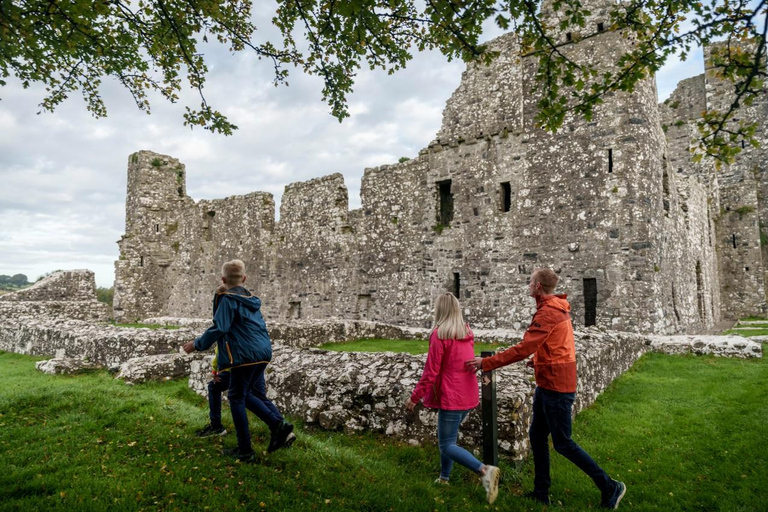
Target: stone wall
(69, 294)
(101, 344)
(357, 392)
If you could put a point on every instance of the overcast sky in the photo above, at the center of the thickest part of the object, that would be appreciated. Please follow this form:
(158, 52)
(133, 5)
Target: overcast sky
(63, 175)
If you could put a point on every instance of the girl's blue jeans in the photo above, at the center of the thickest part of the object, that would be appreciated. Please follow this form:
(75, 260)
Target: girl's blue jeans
(447, 433)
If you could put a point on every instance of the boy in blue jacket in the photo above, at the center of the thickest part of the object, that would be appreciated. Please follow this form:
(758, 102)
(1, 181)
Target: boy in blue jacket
(245, 349)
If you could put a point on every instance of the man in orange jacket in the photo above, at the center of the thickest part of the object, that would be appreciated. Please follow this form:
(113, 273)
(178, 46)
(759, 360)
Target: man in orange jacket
(550, 339)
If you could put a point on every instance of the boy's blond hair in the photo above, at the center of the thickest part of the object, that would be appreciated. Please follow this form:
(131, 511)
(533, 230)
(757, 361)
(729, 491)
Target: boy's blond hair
(448, 320)
(233, 271)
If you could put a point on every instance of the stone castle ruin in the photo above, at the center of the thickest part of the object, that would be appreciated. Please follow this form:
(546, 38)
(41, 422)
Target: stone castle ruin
(643, 238)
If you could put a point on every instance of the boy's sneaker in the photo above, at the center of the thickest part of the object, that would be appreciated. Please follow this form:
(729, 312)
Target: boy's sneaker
(490, 482)
(209, 431)
(242, 457)
(611, 499)
(541, 498)
(280, 436)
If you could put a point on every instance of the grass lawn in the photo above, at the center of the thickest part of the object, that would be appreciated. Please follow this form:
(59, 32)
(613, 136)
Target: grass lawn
(685, 433)
(408, 346)
(749, 330)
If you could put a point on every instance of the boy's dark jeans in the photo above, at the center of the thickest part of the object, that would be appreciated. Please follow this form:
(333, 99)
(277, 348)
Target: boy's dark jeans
(552, 415)
(247, 389)
(215, 389)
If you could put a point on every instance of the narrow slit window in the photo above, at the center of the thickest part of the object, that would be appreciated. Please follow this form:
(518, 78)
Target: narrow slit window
(590, 301)
(610, 160)
(209, 225)
(157, 228)
(699, 290)
(506, 197)
(457, 285)
(141, 261)
(733, 240)
(445, 205)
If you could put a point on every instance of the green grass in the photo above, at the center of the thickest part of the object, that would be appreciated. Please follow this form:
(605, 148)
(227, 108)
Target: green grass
(754, 318)
(146, 326)
(748, 332)
(685, 433)
(407, 346)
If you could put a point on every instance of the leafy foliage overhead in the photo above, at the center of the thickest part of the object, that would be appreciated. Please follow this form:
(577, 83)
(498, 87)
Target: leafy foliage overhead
(153, 45)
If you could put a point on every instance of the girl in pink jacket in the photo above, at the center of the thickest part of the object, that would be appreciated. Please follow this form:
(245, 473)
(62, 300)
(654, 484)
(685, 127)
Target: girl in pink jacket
(448, 386)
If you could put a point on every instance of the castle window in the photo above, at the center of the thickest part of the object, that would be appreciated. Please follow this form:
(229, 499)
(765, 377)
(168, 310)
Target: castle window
(665, 187)
(294, 310)
(157, 228)
(363, 307)
(209, 225)
(699, 290)
(590, 301)
(600, 27)
(742, 144)
(568, 37)
(610, 160)
(141, 261)
(733, 240)
(456, 285)
(506, 197)
(445, 212)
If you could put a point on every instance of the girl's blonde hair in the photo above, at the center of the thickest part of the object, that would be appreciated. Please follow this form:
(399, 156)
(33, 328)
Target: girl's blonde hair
(448, 320)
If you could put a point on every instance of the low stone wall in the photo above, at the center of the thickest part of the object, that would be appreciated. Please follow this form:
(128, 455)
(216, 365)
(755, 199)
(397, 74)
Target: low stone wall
(356, 392)
(62, 285)
(725, 346)
(91, 310)
(102, 344)
(158, 367)
(334, 330)
(63, 295)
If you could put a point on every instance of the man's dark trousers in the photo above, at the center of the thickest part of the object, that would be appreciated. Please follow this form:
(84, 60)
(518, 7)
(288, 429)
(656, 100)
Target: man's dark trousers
(552, 415)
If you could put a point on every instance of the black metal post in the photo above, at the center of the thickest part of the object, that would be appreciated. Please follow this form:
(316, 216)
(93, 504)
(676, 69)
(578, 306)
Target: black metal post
(490, 427)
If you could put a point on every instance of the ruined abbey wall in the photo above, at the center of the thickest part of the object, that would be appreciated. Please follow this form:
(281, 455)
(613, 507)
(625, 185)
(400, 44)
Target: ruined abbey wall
(637, 231)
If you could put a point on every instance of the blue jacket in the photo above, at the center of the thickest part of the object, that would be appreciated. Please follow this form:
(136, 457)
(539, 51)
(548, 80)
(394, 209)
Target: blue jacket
(238, 329)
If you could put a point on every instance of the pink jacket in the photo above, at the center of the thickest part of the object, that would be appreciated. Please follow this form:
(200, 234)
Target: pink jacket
(459, 389)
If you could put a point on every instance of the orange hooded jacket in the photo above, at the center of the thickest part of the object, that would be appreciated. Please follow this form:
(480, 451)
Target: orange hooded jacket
(550, 339)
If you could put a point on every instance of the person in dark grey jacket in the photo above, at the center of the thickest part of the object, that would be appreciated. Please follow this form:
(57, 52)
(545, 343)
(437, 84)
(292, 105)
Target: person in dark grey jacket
(245, 349)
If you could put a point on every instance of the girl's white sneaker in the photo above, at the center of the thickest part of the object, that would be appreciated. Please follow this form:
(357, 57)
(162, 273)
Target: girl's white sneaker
(490, 482)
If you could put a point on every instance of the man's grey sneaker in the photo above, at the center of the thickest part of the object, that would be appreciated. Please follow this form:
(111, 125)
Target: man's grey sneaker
(533, 495)
(209, 431)
(441, 481)
(490, 482)
(612, 501)
(242, 457)
(280, 436)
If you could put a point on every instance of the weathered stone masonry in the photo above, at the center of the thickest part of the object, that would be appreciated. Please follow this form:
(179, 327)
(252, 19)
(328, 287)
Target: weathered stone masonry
(643, 238)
